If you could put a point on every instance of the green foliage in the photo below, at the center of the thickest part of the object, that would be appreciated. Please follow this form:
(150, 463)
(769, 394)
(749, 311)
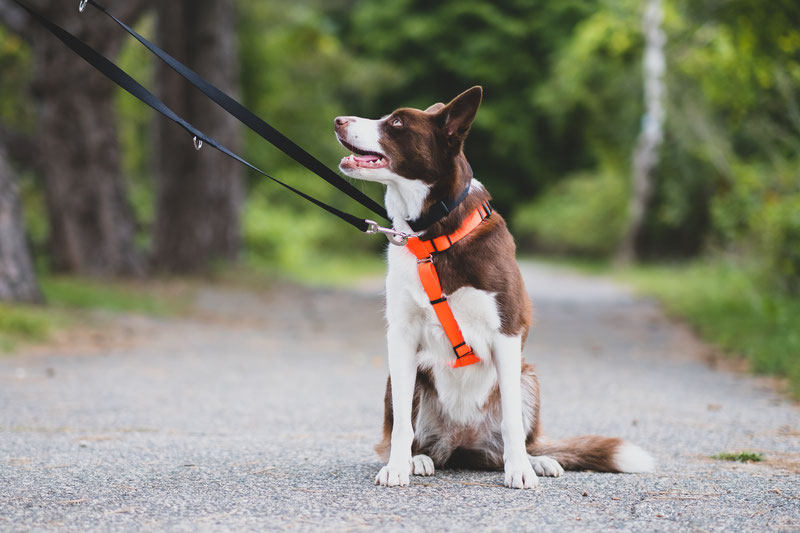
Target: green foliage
(761, 213)
(741, 457)
(594, 90)
(584, 214)
(729, 308)
(134, 123)
(299, 76)
(442, 48)
(16, 108)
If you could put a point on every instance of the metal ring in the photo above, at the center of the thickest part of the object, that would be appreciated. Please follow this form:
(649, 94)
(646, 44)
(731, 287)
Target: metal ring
(82, 5)
(198, 143)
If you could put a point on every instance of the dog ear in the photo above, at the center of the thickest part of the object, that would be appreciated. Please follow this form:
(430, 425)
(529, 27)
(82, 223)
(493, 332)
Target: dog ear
(460, 112)
(435, 108)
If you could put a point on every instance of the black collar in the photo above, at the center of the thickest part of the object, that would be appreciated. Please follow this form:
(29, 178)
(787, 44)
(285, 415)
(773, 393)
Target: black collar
(437, 212)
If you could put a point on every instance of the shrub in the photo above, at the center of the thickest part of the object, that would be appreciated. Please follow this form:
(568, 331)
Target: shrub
(584, 214)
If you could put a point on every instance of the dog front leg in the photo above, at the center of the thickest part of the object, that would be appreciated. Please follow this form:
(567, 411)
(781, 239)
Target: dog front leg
(519, 473)
(403, 373)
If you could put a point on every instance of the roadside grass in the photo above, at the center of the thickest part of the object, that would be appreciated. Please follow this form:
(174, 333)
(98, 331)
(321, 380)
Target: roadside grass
(725, 303)
(741, 457)
(730, 309)
(70, 300)
(319, 270)
(108, 295)
(25, 323)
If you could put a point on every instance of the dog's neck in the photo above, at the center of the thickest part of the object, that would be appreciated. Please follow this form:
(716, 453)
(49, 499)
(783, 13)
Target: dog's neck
(410, 199)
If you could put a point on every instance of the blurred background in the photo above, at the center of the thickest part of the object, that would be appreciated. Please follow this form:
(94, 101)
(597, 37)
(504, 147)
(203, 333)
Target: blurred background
(695, 181)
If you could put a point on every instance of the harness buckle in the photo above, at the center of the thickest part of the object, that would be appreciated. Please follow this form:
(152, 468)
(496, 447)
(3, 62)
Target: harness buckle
(198, 143)
(398, 238)
(82, 5)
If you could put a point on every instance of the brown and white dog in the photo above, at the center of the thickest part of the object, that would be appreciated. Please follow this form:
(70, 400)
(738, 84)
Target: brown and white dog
(485, 415)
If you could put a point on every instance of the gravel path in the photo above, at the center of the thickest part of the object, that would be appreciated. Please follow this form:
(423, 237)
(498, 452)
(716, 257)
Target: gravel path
(259, 412)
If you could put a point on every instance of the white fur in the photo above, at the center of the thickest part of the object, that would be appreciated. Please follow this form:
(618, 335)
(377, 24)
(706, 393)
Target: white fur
(423, 465)
(404, 197)
(518, 468)
(545, 466)
(364, 134)
(630, 458)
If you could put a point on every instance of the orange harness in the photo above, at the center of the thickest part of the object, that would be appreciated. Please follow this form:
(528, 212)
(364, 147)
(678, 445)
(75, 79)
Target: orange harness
(424, 251)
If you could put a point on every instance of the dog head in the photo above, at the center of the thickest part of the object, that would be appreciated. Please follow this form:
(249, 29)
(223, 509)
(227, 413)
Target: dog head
(412, 145)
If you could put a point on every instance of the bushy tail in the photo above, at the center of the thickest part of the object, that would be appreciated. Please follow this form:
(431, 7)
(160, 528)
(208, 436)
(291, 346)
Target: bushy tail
(602, 454)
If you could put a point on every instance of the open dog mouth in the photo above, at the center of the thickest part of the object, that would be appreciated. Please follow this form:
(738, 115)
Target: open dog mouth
(362, 158)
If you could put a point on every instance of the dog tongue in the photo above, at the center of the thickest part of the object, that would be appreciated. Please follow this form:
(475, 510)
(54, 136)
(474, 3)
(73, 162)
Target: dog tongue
(366, 158)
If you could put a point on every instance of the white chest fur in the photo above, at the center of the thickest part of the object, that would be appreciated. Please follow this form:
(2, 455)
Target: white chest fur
(462, 391)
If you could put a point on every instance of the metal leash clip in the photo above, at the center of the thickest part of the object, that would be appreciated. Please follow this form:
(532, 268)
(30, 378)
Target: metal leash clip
(82, 5)
(398, 238)
(198, 143)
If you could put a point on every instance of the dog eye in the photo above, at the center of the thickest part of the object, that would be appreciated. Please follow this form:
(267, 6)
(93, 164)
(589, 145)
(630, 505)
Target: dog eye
(397, 123)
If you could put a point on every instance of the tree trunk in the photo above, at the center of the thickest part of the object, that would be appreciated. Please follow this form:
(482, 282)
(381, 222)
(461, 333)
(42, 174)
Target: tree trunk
(17, 279)
(199, 193)
(645, 156)
(91, 222)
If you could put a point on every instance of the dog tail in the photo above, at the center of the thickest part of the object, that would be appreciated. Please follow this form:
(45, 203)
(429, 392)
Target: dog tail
(590, 452)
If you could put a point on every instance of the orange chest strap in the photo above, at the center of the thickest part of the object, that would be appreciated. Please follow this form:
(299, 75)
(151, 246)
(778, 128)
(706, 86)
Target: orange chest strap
(424, 251)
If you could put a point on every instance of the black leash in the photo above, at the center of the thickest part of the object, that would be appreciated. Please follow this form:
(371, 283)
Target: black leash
(121, 78)
(249, 119)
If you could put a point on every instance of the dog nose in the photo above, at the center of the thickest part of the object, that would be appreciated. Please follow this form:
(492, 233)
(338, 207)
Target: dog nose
(341, 122)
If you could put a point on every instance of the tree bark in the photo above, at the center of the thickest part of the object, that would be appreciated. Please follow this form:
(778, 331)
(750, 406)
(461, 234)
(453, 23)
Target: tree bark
(17, 278)
(91, 222)
(645, 155)
(199, 193)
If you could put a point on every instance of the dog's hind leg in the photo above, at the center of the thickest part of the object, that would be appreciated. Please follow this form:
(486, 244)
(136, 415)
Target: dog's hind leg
(422, 465)
(545, 466)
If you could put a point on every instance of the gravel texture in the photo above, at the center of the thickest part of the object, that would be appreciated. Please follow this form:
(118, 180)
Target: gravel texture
(259, 412)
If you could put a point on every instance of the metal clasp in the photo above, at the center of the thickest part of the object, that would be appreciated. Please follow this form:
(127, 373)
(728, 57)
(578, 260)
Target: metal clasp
(198, 143)
(398, 238)
(82, 5)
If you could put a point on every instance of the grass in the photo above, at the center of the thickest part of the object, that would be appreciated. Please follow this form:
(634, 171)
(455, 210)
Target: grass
(741, 457)
(320, 270)
(729, 309)
(116, 296)
(725, 303)
(24, 323)
(70, 299)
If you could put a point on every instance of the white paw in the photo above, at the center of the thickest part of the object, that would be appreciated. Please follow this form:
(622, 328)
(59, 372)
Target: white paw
(520, 475)
(393, 476)
(423, 465)
(545, 466)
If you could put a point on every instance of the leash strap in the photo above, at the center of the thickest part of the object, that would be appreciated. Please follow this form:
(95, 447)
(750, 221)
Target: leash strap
(252, 121)
(424, 250)
(121, 78)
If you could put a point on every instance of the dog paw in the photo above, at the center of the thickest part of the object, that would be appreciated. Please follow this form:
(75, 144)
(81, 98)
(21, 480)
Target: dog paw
(423, 465)
(392, 476)
(520, 476)
(545, 466)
